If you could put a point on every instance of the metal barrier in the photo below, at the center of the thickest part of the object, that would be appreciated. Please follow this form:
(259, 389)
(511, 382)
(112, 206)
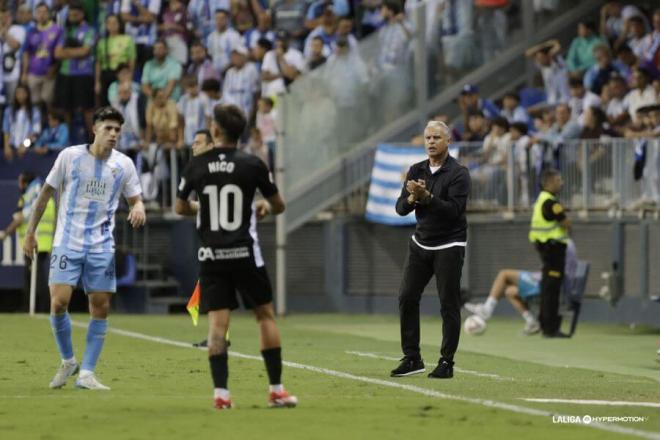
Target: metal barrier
(597, 174)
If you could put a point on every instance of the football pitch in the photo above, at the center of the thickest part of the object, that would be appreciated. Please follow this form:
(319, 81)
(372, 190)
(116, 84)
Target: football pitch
(505, 385)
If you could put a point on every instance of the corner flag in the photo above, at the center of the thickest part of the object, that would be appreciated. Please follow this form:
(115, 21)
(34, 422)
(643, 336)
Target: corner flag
(193, 304)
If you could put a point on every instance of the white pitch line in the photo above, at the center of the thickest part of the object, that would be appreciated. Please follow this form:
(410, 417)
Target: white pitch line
(460, 370)
(596, 402)
(402, 386)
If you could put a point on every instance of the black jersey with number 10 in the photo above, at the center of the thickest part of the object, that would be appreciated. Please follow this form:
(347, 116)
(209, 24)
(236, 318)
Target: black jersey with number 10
(225, 181)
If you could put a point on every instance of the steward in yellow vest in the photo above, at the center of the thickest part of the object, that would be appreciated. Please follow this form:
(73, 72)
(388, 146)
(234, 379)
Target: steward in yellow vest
(549, 233)
(30, 186)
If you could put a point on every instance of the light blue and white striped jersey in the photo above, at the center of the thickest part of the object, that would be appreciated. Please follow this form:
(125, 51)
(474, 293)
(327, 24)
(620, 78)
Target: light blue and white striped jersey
(193, 110)
(240, 85)
(142, 33)
(89, 191)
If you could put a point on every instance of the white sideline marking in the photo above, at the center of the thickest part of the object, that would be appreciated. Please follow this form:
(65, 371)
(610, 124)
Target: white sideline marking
(460, 370)
(596, 402)
(402, 386)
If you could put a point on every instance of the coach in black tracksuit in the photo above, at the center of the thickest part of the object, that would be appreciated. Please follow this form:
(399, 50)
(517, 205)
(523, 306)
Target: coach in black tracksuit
(437, 189)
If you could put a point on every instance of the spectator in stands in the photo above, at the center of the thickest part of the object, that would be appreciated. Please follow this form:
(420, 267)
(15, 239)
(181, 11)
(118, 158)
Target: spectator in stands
(468, 101)
(21, 123)
(633, 35)
(161, 72)
(201, 65)
(553, 70)
(492, 25)
(267, 125)
(477, 126)
(595, 121)
(614, 102)
(611, 22)
(105, 9)
(75, 80)
(281, 66)
(347, 79)
(114, 50)
(627, 61)
(173, 29)
(212, 91)
(512, 110)
(126, 102)
(642, 92)
(12, 37)
(256, 146)
(393, 37)
(24, 17)
(289, 16)
(201, 14)
(580, 55)
(325, 31)
(124, 75)
(315, 57)
(39, 65)
(317, 9)
(263, 46)
(262, 30)
(242, 14)
(565, 127)
(495, 151)
(647, 154)
(141, 17)
(345, 30)
(60, 12)
(222, 41)
(581, 98)
(372, 20)
(162, 120)
(521, 145)
(192, 108)
(241, 83)
(55, 137)
(650, 44)
(599, 74)
(459, 45)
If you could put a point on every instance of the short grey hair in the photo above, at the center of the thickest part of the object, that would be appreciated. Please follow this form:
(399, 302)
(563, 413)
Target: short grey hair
(438, 124)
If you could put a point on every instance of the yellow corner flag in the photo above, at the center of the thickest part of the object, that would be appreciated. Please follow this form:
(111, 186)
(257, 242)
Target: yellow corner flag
(193, 304)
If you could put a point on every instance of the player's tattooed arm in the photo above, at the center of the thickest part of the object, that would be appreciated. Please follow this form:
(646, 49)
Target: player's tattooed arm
(137, 215)
(30, 243)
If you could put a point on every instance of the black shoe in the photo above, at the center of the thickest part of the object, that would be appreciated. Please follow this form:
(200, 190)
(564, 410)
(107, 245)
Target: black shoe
(408, 367)
(444, 370)
(556, 335)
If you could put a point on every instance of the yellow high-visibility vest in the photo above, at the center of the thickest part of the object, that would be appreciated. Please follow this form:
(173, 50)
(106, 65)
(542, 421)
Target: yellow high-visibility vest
(543, 230)
(45, 230)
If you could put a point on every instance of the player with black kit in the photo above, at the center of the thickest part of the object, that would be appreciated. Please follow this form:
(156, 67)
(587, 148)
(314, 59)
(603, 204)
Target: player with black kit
(225, 181)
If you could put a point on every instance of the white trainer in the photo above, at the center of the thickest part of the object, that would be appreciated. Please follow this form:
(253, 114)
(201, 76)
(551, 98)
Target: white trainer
(90, 382)
(531, 327)
(64, 371)
(477, 309)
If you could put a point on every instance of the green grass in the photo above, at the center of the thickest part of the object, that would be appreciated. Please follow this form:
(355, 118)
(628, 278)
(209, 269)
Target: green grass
(161, 391)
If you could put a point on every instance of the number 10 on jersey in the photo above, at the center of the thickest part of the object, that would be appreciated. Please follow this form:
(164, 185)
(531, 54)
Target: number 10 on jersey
(219, 207)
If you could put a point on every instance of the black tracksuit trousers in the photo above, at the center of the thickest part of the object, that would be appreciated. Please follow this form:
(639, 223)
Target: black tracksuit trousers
(421, 265)
(553, 255)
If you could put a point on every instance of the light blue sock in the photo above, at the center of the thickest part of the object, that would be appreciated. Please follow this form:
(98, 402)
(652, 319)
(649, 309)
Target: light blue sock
(61, 325)
(95, 337)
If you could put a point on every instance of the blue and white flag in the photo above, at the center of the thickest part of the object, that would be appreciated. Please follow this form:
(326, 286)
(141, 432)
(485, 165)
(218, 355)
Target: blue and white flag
(390, 167)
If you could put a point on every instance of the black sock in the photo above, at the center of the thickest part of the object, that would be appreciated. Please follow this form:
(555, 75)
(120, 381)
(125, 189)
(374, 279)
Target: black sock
(273, 360)
(219, 370)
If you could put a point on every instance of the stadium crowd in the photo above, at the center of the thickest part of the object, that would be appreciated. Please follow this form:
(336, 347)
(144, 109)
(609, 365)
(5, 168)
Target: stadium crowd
(605, 85)
(165, 64)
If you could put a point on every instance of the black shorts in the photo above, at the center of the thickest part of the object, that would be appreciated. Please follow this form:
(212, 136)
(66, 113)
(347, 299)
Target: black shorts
(219, 290)
(74, 92)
